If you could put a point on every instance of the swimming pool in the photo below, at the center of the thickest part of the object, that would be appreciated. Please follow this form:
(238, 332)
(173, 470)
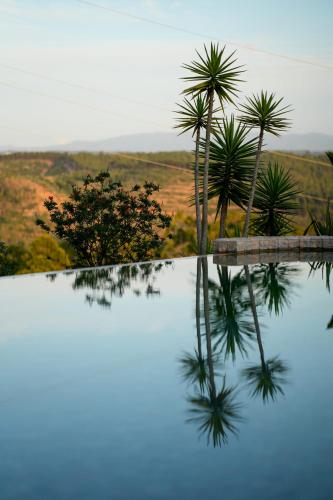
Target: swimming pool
(180, 379)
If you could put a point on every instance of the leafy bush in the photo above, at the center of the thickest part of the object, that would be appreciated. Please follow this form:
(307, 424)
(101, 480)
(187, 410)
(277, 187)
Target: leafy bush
(107, 224)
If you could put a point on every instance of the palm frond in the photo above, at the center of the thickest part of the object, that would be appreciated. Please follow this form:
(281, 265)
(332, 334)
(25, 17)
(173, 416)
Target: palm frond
(275, 200)
(231, 163)
(214, 72)
(263, 111)
(266, 381)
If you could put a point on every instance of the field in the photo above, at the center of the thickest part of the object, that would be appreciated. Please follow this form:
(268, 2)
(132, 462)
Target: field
(28, 178)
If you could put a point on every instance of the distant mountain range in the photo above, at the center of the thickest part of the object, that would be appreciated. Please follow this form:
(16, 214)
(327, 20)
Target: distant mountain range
(169, 141)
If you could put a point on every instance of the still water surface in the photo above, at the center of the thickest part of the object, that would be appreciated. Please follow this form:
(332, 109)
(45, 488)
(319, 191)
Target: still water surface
(179, 380)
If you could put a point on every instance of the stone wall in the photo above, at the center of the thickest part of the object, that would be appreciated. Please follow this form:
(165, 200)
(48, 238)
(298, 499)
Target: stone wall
(276, 244)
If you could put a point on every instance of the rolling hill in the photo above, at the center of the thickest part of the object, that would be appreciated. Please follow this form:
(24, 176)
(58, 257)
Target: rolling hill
(28, 178)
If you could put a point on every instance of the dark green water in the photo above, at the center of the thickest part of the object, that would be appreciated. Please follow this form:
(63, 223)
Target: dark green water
(141, 382)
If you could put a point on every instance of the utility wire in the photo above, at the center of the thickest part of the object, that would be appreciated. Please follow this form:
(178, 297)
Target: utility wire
(202, 35)
(70, 101)
(80, 86)
(295, 157)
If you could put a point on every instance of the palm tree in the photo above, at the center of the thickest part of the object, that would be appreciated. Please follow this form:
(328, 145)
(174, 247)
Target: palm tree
(231, 165)
(192, 116)
(276, 198)
(263, 112)
(212, 74)
(267, 378)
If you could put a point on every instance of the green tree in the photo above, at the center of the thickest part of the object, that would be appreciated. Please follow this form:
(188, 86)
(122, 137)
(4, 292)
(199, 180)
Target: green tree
(276, 199)
(265, 113)
(212, 74)
(231, 165)
(11, 258)
(45, 254)
(107, 224)
(192, 116)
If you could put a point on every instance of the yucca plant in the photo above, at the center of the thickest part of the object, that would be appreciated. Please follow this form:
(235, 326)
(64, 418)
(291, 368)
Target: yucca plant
(264, 112)
(214, 73)
(275, 200)
(329, 155)
(192, 117)
(231, 165)
(324, 227)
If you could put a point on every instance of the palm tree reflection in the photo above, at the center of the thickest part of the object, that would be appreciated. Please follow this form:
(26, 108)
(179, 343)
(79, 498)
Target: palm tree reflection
(267, 378)
(214, 410)
(230, 321)
(274, 285)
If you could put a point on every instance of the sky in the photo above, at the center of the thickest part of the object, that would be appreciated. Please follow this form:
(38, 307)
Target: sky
(89, 70)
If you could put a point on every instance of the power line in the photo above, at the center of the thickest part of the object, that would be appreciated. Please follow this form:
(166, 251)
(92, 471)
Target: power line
(80, 86)
(70, 101)
(156, 163)
(202, 35)
(295, 157)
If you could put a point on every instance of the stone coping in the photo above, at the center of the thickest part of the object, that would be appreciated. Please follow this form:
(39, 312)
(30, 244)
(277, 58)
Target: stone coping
(242, 259)
(266, 244)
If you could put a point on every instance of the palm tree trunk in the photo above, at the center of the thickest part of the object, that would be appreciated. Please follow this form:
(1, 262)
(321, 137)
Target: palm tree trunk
(253, 186)
(204, 231)
(197, 307)
(207, 326)
(223, 218)
(255, 316)
(196, 189)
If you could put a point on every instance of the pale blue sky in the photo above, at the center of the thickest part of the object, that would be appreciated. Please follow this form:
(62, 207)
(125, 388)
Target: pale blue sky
(137, 64)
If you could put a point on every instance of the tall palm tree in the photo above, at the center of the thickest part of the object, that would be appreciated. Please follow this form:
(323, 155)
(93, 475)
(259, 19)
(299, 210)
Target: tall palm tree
(265, 113)
(212, 74)
(231, 166)
(192, 116)
(267, 378)
(275, 200)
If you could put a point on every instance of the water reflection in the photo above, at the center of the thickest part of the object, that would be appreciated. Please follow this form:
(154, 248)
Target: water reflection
(227, 323)
(275, 284)
(105, 283)
(267, 378)
(214, 410)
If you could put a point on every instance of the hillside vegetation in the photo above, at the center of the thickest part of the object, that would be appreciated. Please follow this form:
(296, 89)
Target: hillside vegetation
(29, 178)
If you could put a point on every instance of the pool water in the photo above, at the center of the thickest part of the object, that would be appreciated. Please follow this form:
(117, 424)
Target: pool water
(168, 380)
